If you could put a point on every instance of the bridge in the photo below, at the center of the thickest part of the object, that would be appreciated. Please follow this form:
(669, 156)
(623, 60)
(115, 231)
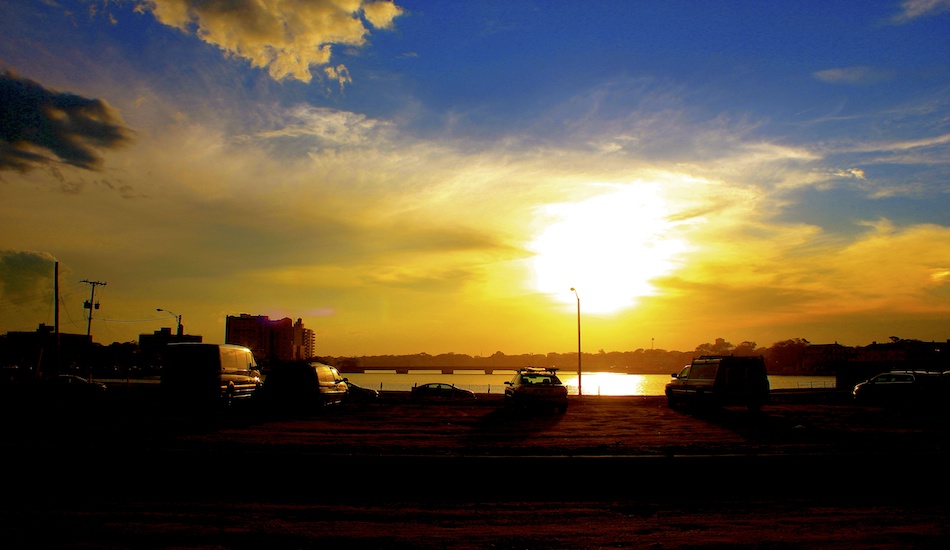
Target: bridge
(404, 369)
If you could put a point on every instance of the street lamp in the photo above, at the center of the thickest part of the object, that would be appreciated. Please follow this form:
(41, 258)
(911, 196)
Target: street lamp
(578, 342)
(180, 330)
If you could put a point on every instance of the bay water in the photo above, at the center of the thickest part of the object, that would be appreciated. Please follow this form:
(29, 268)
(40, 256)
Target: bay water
(593, 383)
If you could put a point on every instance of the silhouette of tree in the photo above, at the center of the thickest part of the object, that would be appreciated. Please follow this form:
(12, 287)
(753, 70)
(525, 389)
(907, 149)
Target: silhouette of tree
(785, 356)
(721, 347)
(746, 348)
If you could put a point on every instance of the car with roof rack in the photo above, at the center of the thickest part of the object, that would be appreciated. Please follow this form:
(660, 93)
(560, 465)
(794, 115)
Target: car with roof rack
(721, 380)
(536, 387)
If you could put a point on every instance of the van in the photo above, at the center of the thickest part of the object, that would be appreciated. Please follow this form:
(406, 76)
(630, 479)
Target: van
(721, 381)
(303, 385)
(208, 374)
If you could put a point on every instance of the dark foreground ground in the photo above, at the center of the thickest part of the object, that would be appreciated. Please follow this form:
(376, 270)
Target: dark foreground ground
(808, 471)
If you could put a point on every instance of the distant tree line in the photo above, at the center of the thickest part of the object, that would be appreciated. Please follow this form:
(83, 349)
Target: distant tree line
(781, 357)
(121, 359)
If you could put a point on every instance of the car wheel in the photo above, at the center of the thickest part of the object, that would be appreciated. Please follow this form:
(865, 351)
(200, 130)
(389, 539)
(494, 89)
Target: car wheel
(670, 401)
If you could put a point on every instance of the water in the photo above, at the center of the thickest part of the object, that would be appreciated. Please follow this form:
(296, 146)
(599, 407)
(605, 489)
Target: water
(593, 383)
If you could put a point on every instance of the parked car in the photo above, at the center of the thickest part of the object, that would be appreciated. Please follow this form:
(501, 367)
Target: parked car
(79, 385)
(721, 381)
(358, 394)
(73, 391)
(900, 387)
(303, 385)
(535, 386)
(208, 374)
(438, 391)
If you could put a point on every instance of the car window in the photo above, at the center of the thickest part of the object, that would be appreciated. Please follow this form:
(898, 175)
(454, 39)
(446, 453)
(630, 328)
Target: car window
(703, 371)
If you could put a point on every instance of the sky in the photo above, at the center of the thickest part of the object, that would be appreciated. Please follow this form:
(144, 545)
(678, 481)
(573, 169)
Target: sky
(421, 176)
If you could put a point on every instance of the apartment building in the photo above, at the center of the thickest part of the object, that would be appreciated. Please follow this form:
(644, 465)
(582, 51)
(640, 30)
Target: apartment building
(271, 339)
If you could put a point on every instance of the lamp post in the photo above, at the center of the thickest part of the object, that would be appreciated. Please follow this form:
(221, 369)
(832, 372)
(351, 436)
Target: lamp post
(180, 330)
(578, 342)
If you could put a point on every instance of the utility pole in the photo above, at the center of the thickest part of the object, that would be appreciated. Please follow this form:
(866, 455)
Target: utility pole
(59, 352)
(92, 303)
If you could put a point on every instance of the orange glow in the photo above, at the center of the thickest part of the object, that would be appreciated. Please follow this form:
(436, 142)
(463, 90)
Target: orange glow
(609, 247)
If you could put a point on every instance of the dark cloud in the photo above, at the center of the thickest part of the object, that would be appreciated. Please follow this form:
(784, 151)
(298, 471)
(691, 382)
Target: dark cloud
(23, 274)
(36, 123)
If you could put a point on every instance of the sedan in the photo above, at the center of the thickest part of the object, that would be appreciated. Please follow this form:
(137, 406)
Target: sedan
(359, 394)
(440, 392)
(79, 385)
(536, 387)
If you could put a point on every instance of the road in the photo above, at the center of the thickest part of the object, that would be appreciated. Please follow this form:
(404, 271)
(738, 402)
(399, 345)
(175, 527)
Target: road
(808, 471)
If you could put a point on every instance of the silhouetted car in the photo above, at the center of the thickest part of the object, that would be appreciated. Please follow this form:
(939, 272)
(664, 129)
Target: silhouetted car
(78, 384)
(535, 386)
(358, 394)
(303, 385)
(900, 387)
(197, 374)
(437, 391)
(720, 381)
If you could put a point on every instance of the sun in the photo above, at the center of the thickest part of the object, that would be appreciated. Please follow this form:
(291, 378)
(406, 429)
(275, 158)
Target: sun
(609, 247)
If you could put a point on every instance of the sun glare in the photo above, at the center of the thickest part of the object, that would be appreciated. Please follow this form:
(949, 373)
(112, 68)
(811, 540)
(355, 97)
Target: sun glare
(609, 247)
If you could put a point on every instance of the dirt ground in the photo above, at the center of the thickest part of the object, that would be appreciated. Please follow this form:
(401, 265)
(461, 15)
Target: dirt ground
(808, 471)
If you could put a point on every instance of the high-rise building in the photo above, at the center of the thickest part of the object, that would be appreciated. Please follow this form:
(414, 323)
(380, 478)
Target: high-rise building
(269, 340)
(304, 341)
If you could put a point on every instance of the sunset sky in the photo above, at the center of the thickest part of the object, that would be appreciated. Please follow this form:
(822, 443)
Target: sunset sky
(425, 176)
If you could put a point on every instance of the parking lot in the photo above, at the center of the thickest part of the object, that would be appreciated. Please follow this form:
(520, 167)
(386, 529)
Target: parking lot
(395, 473)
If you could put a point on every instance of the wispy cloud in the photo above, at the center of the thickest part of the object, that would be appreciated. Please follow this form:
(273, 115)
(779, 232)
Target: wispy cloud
(286, 37)
(862, 75)
(327, 127)
(908, 144)
(915, 9)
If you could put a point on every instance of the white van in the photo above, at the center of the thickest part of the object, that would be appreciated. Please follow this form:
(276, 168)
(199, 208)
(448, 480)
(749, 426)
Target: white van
(208, 373)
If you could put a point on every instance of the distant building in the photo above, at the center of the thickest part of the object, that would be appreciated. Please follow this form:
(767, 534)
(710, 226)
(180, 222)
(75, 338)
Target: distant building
(270, 340)
(44, 353)
(304, 341)
(899, 354)
(818, 359)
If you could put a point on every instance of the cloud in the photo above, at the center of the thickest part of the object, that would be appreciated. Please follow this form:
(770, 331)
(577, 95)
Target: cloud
(36, 122)
(914, 9)
(925, 142)
(327, 127)
(24, 274)
(855, 173)
(287, 37)
(861, 75)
